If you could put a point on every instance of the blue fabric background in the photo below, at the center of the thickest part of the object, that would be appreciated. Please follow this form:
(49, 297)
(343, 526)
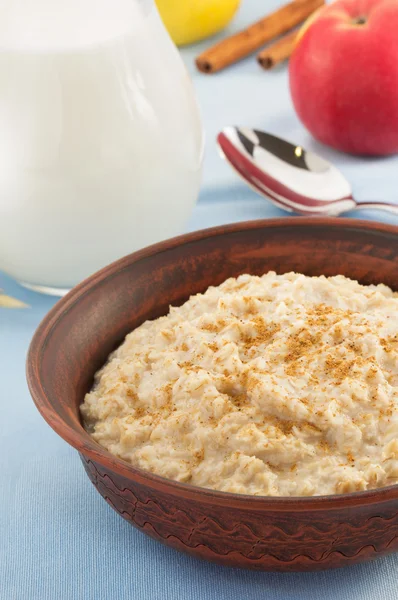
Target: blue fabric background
(58, 539)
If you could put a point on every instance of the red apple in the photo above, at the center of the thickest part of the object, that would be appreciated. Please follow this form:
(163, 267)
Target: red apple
(344, 76)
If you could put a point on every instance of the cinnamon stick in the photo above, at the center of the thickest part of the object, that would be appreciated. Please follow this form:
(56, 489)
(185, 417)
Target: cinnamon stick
(277, 52)
(245, 42)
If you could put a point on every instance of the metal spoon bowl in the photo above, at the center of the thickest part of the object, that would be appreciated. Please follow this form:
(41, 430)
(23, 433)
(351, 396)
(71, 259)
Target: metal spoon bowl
(292, 178)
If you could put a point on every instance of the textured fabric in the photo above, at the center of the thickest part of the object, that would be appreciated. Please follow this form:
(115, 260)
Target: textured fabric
(58, 539)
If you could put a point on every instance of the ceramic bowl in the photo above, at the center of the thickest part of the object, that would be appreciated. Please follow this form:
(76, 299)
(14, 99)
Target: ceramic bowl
(78, 334)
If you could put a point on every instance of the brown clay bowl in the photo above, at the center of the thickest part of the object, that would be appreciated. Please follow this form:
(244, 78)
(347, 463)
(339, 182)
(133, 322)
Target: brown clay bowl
(78, 334)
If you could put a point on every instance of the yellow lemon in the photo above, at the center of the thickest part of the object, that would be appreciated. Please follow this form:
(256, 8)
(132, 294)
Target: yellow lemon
(189, 21)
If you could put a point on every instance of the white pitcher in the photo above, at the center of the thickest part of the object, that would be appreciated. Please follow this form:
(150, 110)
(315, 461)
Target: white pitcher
(100, 138)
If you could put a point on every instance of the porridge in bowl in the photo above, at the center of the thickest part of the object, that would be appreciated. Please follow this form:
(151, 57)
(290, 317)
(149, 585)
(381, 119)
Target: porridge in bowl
(280, 385)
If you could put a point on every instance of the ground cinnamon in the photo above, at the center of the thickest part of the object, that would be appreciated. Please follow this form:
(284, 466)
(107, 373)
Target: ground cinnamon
(247, 41)
(277, 52)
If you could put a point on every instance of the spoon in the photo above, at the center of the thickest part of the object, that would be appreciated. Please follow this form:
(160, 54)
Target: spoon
(291, 177)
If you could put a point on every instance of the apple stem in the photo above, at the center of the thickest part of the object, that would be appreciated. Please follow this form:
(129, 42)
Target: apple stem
(360, 21)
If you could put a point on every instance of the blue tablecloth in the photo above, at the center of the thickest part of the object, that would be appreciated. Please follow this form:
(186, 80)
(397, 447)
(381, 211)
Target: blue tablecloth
(58, 539)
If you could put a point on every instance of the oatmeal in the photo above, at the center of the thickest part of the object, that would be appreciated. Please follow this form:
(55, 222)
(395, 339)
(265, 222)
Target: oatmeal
(280, 385)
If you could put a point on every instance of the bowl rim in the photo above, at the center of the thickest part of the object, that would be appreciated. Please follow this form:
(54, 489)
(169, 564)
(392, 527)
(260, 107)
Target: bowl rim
(93, 452)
